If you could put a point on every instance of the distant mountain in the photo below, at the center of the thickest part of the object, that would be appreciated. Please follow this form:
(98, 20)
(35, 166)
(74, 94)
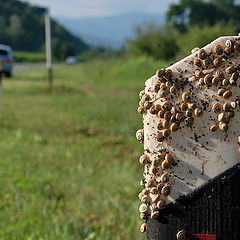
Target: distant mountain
(110, 30)
(23, 28)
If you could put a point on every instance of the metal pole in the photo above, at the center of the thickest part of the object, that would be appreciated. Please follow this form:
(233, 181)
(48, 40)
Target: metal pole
(48, 47)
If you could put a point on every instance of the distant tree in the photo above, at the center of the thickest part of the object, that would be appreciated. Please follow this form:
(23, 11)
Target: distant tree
(200, 12)
(15, 27)
(153, 41)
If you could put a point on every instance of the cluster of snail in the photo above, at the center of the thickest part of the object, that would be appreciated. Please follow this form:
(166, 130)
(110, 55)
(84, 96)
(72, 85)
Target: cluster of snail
(173, 115)
(157, 186)
(222, 79)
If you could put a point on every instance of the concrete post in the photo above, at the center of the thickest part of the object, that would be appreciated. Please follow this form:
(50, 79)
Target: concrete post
(191, 160)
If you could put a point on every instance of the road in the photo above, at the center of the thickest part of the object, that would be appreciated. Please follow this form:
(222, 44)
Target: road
(22, 67)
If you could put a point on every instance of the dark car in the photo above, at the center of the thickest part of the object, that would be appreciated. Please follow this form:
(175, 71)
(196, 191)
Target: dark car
(6, 60)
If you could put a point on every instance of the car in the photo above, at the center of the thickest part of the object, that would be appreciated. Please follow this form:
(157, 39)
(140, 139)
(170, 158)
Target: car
(71, 60)
(6, 60)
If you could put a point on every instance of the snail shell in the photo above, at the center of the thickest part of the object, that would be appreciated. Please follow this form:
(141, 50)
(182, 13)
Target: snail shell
(202, 54)
(208, 79)
(167, 116)
(223, 127)
(217, 108)
(151, 183)
(140, 135)
(167, 106)
(217, 62)
(218, 49)
(160, 137)
(160, 126)
(161, 73)
(154, 215)
(143, 228)
(197, 62)
(166, 124)
(161, 204)
(229, 43)
(164, 178)
(227, 106)
(141, 94)
(166, 164)
(169, 157)
(198, 112)
(189, 122)
(173, 89)
(180, 116)
(157, 87)
(227, 94)
(184, 106)
(230, 70)
(225, 82)
(214, 128)
(168, 74)
(221, 91)
(174, 127)
(144, 159)
(215, 80)
(166, 133)
(187, 97)
(142, 110)
(166, 190)
(220, 74)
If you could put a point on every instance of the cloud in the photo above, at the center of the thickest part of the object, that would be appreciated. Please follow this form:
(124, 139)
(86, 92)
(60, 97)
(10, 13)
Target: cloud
(83, 8)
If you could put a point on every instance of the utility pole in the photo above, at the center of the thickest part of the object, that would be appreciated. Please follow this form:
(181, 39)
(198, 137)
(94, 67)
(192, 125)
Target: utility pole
(46, 12)
(48, 46)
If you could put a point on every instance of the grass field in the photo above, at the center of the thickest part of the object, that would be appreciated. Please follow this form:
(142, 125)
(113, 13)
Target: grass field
(69, 159)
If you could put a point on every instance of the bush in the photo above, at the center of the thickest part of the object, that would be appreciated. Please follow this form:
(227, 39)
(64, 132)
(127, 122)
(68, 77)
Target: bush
(153, 41)
(99, 52)
(199, 36)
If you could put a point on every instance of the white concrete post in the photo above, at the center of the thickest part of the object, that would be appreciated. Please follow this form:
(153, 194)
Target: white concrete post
(191, 118)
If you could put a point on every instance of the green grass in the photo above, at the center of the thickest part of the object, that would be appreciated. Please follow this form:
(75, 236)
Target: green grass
(69, 159)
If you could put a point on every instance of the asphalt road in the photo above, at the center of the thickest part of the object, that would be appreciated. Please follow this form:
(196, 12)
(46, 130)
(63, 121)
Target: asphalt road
(23, 67)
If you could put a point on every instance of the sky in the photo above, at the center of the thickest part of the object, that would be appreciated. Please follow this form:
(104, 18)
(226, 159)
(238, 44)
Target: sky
(96, 8)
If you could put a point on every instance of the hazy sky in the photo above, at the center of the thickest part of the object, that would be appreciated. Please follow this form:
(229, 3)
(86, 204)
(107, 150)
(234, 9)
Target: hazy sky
(84, 8)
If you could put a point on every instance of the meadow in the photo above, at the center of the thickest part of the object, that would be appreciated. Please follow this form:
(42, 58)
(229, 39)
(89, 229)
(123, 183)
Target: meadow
(69, 158)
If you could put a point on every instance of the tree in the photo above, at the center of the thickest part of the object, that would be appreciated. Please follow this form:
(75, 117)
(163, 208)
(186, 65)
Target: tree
(199, 12)
(15, 26)
(153, 41)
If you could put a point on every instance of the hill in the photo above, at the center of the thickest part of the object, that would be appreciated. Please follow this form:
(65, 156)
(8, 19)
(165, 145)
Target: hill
(110, 30)
(23, 28)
